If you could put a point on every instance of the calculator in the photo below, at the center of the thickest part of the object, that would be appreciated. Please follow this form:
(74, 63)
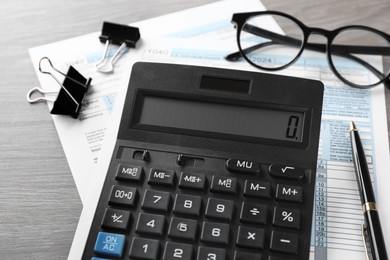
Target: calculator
(210, 164)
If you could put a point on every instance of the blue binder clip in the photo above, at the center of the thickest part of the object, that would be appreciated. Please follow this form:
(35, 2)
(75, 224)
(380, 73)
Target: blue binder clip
(71, 95)
(118, 34)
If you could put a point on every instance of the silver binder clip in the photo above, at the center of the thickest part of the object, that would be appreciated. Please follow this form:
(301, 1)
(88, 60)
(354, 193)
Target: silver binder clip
(118, 34)
(71, 95)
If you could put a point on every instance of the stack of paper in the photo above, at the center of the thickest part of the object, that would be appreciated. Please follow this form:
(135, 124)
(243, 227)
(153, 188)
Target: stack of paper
(88, 141)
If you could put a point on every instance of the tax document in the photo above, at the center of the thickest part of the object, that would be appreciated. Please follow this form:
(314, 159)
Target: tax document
(337, 216)
(82, 139)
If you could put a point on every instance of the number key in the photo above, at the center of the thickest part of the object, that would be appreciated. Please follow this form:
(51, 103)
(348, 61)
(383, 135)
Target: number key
(122, 195)
(150, 224)
(156, 200)
(187, 204)
(219, 208)
(174, 251)
(215, 233)
(183, 228)
(142, 248)
(211, 253)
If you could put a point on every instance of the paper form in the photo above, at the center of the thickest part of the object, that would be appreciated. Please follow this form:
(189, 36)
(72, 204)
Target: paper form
(337, 212)
(82, 139)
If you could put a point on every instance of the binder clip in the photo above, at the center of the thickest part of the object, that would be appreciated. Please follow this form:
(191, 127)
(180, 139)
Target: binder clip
(71, 95)
(118, 34)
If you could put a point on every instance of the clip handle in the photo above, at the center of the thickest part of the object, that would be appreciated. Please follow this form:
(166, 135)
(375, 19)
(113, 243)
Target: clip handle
(109, 67)
(41, 98)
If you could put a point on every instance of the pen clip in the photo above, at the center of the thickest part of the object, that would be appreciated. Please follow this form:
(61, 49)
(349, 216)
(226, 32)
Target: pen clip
(364, 229)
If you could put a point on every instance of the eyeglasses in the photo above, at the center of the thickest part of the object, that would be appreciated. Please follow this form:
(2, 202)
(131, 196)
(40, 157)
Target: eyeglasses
(350, 49)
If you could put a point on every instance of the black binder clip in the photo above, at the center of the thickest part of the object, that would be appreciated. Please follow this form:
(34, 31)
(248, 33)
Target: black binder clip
(71, 95)
(118, 34)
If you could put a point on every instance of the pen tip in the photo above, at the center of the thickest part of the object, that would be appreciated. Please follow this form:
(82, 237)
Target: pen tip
(352, 126)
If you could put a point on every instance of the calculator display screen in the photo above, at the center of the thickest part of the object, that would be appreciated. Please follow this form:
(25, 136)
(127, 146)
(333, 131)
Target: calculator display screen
(176, 115)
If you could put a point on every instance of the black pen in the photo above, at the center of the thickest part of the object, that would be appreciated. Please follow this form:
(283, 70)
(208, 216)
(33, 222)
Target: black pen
(371, 216)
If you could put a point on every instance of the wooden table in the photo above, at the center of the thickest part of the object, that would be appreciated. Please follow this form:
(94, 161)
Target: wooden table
(39, 203)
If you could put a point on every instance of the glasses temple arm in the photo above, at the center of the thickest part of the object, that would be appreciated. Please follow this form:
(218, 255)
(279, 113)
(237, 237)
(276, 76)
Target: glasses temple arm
(356, 49)
(236, 55)
(274, 37)
(378, 73)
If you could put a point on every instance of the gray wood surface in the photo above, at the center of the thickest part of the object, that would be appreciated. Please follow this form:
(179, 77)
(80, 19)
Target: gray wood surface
(39, 203)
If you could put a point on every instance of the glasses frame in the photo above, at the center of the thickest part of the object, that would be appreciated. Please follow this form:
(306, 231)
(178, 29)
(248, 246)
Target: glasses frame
(240, 19)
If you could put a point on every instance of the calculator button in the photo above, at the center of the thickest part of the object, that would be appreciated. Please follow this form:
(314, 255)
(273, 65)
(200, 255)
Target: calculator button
(161, 177)
(110, 244)
(250, 237)
(224, 185)
(284, 242)
(219, 208)
(243, 166)
(253, 213)
(278, 258)
(285, 171)
(192, 181)
(215, 233)
(150, 224)
(129, 173)
(117, 219)
(241, 255)
(156, 200)
(122, 195)
(285, 217)
(174, 251)
(211, 253)
(257, 189)
(187, 204)
(289, 193)
(183, 228)
(142, 248)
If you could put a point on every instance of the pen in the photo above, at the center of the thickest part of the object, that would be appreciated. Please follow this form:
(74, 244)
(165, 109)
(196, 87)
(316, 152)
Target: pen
(371, 216)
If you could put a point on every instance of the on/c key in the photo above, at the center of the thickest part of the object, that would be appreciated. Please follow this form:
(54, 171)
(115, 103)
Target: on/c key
(110, 244)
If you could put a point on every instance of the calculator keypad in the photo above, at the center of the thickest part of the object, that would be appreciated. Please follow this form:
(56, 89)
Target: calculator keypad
(163, 212)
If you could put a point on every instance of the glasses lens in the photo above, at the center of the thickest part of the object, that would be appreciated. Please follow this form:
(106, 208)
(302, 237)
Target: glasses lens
(271, 47)
(356, 54)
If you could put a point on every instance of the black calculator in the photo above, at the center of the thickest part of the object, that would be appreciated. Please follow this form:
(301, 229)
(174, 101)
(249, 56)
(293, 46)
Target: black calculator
(210, 164)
